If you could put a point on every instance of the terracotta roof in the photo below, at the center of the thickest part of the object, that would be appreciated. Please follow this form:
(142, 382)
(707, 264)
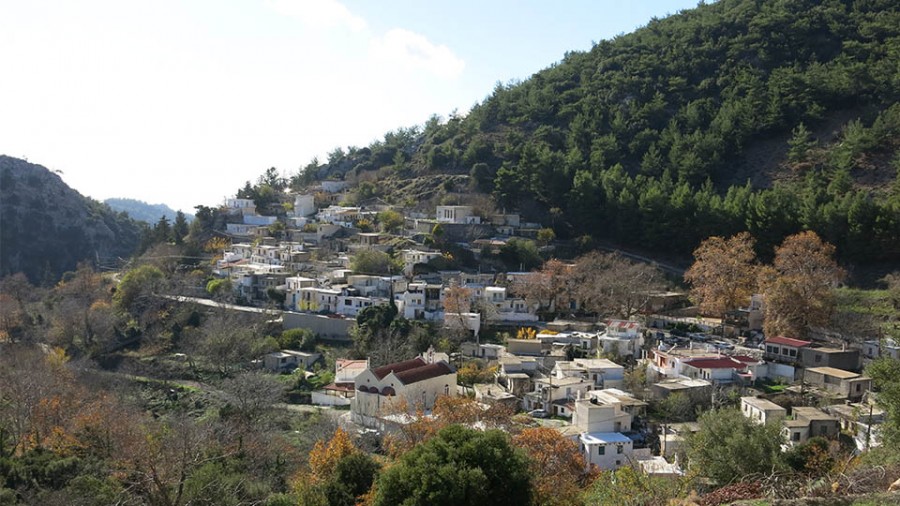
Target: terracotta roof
(788, 341)
(745, 359)
(381, 372)
(339, 387)
(716, 363)
(429, 371)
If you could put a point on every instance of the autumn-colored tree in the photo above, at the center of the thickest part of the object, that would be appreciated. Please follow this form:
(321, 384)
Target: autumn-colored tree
(475, 371)
(339, 474)
(557, 467)
(724, 273)
(447, 410)
(325, 455)
(799, 286)
(526, 333)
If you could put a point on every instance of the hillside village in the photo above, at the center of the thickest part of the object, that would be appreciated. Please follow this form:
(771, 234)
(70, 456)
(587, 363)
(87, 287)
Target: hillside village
(593, 379)
(662, 271)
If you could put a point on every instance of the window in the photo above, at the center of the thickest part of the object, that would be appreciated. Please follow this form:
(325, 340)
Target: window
(793, 353)
(619, 449)
(795, 436)
(858, 387)
(618, 462)
(601, 450)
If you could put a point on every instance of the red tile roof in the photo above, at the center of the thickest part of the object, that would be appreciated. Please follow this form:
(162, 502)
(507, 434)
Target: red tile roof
(423, 373)
(716, 363)
(788, 341)
(381, 372)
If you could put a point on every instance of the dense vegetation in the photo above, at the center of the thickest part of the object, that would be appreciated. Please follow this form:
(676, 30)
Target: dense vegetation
(769, 117)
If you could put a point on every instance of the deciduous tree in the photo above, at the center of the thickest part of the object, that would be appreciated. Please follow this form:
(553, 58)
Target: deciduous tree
(724, 273)
(799, 287)
(557, 467)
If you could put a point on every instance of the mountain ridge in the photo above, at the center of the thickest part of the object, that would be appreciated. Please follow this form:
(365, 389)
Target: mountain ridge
(47, 227)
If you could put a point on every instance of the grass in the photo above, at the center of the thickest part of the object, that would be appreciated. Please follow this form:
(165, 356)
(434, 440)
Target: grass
(874, 303)
(769, 386)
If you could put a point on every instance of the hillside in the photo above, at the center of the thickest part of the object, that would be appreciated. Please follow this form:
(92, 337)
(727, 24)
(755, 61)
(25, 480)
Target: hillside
(771, 117)
(143, 211)
(46, 227)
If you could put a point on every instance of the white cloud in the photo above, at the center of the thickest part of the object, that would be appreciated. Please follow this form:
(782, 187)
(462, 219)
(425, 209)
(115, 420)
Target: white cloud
(319, 13)
(414, 51)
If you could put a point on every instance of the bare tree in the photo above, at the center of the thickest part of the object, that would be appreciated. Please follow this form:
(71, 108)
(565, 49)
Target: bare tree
(610, 284)
(252, 395)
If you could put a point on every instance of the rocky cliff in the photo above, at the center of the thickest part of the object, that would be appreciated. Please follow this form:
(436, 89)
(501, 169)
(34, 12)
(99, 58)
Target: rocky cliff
(46, 227)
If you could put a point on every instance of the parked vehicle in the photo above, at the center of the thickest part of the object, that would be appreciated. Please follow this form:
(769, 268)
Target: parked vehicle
(539, 413)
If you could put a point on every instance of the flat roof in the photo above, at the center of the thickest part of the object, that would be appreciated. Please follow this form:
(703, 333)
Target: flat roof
(604, 438)
(811, 413)
(761, 403)
(831, 371)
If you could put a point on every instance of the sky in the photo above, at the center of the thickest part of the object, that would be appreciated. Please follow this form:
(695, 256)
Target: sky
(181, 102)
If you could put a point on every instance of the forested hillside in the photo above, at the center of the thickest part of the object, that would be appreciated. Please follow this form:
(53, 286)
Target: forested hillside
(770, 117)
(47, 227)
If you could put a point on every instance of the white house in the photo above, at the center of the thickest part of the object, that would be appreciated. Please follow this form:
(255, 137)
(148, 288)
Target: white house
(245, 206)
(622, 337)
(600, 372)
(487, 351)
(318, 299)
(762, 411)
(304, 205)
(343, 389)
(457, 214)
(339, 215)
(408, 386)
(606, 450)
(886, 347)
(411, 257)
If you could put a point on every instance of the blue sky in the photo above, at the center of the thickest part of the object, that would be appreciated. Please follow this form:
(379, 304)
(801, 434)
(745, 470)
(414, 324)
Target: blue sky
(180, 102)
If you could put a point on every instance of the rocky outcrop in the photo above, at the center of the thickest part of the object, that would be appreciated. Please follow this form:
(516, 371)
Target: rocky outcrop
(46, 227)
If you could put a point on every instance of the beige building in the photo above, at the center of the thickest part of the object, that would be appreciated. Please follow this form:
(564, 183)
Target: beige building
(407, 386)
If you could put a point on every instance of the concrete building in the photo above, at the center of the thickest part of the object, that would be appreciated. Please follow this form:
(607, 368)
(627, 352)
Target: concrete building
(807, 422)
(762, 411)
(288, 360)
(848, 360)
(837, 381)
